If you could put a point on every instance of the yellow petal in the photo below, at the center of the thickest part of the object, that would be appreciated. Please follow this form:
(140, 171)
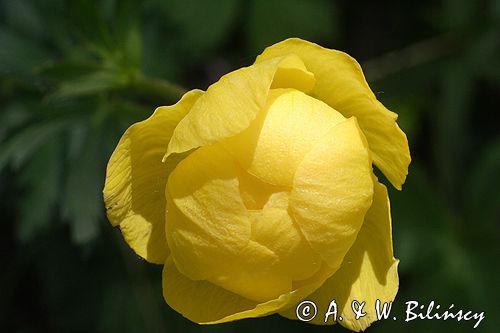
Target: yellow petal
(273, 146)
(200, 301)
(332, 191)
(368, 273)
(206, 303)
(214, 237)
(341, 84)
(134, 192)
(275, 229)
(207, 221)
(276, 259)
(231, 104)
(255, 275)
(254, 192)
(293, 73)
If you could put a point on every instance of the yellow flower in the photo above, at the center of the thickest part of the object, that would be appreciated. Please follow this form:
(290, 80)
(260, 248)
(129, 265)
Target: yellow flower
(259, 193)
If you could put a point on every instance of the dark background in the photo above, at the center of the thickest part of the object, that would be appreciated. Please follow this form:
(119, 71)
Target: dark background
(75, 74)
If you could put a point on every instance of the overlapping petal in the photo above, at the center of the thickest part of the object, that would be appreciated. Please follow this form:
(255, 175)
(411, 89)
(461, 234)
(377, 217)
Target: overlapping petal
(231, 104)
(276, 258)
(273, 146)
(136, 179)
(267, 194)
(275, 229)
(292, 73)
(332, 191)
(213, 236)
(368, 272)
(206, 303)
(207, 222)
(341, 84)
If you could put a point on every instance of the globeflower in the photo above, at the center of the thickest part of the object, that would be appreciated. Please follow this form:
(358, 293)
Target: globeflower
(259, 193)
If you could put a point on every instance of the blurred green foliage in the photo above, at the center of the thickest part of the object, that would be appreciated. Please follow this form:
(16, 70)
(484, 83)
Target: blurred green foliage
(75, 74)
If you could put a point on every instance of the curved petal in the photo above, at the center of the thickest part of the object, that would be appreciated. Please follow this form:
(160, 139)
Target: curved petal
(207, 222)
(275, 260)
(275, 229)
(213, 236)
(292, 73)
(368, 273)
(134, 191)
(206, 303)
(231, 104)
(273, 146)
(254, 192)
(341, 84)
(332, 191)
(200, 301)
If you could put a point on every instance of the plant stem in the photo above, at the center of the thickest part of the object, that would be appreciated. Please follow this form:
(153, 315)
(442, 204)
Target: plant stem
(157, 87)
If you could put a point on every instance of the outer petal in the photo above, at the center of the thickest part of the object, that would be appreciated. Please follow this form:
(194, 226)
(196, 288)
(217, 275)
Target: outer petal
(332, 191)
(368, 273)
(207, 222)
(134, 192)
(206, 303)
(231, 104)
(200, 301)
(341, 84)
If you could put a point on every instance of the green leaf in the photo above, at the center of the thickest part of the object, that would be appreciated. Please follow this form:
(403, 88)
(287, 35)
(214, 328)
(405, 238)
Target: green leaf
(90, 84)
(17, 149)
(201, 25)
(22, 16)
(67, 70)
(82, 205)
(460, 14)
(271, 21)
(57, 25)
(77, 137)
(452, 141)
(157, 61)
(481, 188)
(19, 55)
(88, 23)
(409, 115)
(42, 178)
(483, 53)
(127, 32)
(418, 218)
(13, 115)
